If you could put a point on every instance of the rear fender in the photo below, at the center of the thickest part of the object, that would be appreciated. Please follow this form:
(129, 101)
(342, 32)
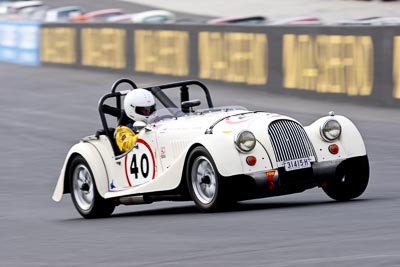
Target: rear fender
(92, 156)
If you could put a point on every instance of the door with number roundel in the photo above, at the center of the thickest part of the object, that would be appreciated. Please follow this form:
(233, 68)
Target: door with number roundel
(139, 164)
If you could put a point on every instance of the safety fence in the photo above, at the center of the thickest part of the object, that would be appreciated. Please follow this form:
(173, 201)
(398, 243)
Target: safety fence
(356, 64)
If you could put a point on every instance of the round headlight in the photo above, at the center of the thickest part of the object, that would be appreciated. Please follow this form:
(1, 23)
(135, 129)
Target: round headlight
(331, 130)
(245, 141)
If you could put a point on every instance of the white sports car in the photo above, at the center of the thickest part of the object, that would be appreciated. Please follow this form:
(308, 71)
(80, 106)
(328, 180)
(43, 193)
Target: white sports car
(213, 156)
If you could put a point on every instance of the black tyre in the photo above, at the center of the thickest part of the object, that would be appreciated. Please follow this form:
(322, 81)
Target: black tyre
(85, 196)
(351, 180)
(206, 186)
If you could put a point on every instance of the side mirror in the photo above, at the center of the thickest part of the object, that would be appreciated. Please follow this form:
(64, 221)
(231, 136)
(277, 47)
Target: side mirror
(188, 105)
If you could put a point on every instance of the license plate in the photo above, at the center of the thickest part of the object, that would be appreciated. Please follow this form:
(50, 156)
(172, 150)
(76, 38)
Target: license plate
(296, 164)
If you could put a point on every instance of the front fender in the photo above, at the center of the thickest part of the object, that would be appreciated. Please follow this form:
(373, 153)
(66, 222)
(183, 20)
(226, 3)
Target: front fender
(350, 142)
(92, 156)
(228, 160)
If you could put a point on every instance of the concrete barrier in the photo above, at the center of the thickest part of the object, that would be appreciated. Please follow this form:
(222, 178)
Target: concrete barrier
(357, 64)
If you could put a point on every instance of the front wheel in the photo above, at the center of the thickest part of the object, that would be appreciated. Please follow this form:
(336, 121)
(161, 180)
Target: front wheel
(206, 186)
(85, 196)
(351, 180)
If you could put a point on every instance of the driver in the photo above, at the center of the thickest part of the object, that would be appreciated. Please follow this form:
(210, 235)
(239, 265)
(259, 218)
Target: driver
(138, 105)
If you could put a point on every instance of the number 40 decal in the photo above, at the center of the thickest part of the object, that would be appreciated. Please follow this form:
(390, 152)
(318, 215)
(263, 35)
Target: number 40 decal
(139, 164)
(144, 166)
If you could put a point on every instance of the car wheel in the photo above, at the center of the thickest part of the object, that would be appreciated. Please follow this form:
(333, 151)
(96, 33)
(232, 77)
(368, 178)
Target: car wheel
(85, 196)
(206, 185)
(351, 180)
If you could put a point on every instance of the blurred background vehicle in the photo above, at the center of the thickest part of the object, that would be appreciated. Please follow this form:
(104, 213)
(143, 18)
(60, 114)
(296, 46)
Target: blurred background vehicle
(239, 20)
(98, 15)
(375, 21)
(79, 11)
(297, 21)
(63, 14)
(36, 14)
(21, 10)
(151, 16)
(4, 4)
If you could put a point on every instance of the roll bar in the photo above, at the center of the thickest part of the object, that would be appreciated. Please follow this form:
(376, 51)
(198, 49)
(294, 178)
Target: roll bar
(157, 91)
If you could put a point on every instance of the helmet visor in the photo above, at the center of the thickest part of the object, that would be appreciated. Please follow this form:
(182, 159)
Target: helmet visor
(145, 111)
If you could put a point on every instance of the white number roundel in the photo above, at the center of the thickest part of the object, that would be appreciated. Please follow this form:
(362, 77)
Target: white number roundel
(139, 164)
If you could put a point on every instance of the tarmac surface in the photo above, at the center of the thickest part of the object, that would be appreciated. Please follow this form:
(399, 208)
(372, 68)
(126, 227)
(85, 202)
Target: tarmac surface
(47, 110)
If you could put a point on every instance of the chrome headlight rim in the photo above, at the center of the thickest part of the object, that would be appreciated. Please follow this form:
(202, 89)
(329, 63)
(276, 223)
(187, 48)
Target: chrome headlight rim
(239, 143)
(324, 131)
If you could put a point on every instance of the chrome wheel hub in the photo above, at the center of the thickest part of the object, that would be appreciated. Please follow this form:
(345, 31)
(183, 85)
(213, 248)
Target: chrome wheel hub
(203, 180)
(82, 183)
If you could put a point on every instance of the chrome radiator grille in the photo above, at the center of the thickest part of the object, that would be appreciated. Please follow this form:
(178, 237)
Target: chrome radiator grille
(290, 141)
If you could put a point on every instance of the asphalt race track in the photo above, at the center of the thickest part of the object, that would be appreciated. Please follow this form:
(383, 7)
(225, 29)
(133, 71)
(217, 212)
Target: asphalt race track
(44, 111)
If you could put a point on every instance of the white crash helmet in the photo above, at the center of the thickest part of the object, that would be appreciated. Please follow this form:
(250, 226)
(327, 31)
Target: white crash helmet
(139, 104)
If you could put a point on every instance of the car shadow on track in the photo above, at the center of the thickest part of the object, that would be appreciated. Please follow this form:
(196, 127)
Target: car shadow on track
(238, 207)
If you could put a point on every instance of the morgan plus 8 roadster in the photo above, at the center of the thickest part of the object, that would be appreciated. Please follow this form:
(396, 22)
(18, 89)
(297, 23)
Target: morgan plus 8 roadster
(214, 156)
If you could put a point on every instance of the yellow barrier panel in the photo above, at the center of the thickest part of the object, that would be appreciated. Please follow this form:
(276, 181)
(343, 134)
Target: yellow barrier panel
(396, 67)
(162, 52)
(328, 63)
(103, 47)
(58, 45)
(233, 57)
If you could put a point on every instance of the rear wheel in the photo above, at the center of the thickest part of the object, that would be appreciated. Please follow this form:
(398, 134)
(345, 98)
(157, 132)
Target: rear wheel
(206, 186)
(351, 180)
(85, 196)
